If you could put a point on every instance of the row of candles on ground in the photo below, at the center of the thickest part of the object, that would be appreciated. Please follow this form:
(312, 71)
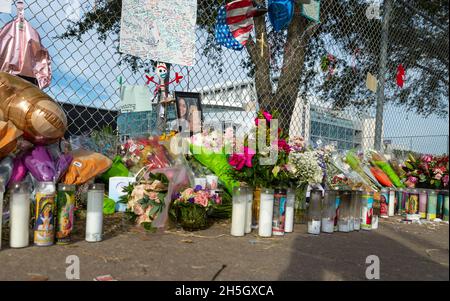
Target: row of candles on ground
(332, 210)
(53, 213)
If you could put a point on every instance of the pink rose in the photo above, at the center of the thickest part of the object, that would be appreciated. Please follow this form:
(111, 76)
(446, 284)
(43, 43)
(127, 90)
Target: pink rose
(427, 158)
(268, 116)
(438, 176)
(138, 210)
(445, 180)
(202, 198)
(144, 218)
(153, 195)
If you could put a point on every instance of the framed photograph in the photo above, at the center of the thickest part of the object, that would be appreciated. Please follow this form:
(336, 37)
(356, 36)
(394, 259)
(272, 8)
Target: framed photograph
(189, 111)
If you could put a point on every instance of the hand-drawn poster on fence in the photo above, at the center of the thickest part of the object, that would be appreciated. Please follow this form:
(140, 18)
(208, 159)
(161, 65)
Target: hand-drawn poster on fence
(160, 30)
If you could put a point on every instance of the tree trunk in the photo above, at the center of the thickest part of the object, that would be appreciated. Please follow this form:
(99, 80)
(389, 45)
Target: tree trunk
(299, 32)
(260, 56)
(289, 82)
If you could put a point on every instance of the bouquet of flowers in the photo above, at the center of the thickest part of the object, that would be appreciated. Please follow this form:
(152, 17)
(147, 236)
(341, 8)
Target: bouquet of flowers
(145, 200)
(190, 208)
(427, 171)
(145, 153)
(306, 167)
(209, 149)
(254, 165)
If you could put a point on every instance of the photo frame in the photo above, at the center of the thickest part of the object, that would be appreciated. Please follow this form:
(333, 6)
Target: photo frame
(189, 111)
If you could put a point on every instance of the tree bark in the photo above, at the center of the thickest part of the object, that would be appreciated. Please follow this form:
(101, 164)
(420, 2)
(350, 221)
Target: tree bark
(286, 94)
(299, 33)
(260, 56)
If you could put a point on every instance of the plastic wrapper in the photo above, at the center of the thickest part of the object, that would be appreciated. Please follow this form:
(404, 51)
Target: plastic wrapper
(118, 169)
(19, 170)
(85, 166)
(347, 175)
(180, 177)
(379, 161)
(218, 164)
(381, 176)
(40, 164)
(104, 142)
(6, 169)
(145, 153)
(354, 162)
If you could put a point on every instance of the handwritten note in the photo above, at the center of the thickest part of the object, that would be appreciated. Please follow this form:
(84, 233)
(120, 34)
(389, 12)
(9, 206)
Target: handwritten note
(160, 30)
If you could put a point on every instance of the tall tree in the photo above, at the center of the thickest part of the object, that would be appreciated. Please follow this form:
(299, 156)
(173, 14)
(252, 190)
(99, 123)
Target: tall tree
(284, 65)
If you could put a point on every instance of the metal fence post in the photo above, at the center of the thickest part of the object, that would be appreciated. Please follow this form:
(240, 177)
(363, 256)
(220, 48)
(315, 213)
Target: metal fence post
(382, 74)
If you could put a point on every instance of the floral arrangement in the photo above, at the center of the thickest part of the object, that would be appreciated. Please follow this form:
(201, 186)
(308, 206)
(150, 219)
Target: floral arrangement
(144, 153)
(247, 164)
(426, 171)
(305, 168)
(197, 196)
(145, 200)
(190, 208)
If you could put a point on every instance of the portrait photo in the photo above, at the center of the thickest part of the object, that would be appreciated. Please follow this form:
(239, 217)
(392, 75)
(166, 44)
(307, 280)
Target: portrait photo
(189, 111)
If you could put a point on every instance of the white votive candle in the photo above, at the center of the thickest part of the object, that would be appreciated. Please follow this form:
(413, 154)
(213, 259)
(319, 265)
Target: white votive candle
(19, 221)
(391, 208)
(238, 215)
(289, 224)
(94, 215)
(266, 213)
(327, 225)
(248, 211)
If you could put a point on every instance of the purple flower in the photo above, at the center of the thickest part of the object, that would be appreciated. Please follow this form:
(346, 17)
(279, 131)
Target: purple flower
(191, 200)
(198, 188)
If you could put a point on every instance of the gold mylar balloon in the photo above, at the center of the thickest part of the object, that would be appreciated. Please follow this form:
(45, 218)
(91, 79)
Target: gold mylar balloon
(35, 113)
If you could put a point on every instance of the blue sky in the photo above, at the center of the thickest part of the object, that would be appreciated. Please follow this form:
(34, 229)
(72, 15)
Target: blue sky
(86, 72)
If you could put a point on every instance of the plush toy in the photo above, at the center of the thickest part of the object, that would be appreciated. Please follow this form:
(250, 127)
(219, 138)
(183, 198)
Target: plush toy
(40, 118)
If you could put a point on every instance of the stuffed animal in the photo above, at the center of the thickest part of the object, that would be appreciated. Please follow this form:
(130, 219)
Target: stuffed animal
(35, 113)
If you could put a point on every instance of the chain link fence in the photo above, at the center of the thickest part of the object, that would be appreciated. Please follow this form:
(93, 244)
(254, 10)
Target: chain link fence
(313, 74)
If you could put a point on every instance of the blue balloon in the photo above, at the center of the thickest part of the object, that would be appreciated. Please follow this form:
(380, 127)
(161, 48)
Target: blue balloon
(281, 13)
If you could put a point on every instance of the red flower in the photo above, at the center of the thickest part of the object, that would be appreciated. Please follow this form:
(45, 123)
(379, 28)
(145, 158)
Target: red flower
(238, 161)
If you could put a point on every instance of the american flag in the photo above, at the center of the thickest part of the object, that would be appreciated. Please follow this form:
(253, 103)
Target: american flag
(235, 23)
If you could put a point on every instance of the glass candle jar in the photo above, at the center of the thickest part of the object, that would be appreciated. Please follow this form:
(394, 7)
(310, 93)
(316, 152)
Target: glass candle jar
(400, 202)
(2, 192)
(376, 209)
(344, 211)
(19, 221)
(423, 199)
(392, 202)
(65, 201)
(384, 203)
(413, 202)
(279, 211)
(289, 225)
(266, 213)
(405, 201)
(446, 205)
(356, 207)
(328, 211)
(248, 210)
(239, 211)
(336, 217)
(315, 212)
(45, 214)
(256, 207)
(94, 215)
(440, 204)
(432, 205)
(366, 210)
